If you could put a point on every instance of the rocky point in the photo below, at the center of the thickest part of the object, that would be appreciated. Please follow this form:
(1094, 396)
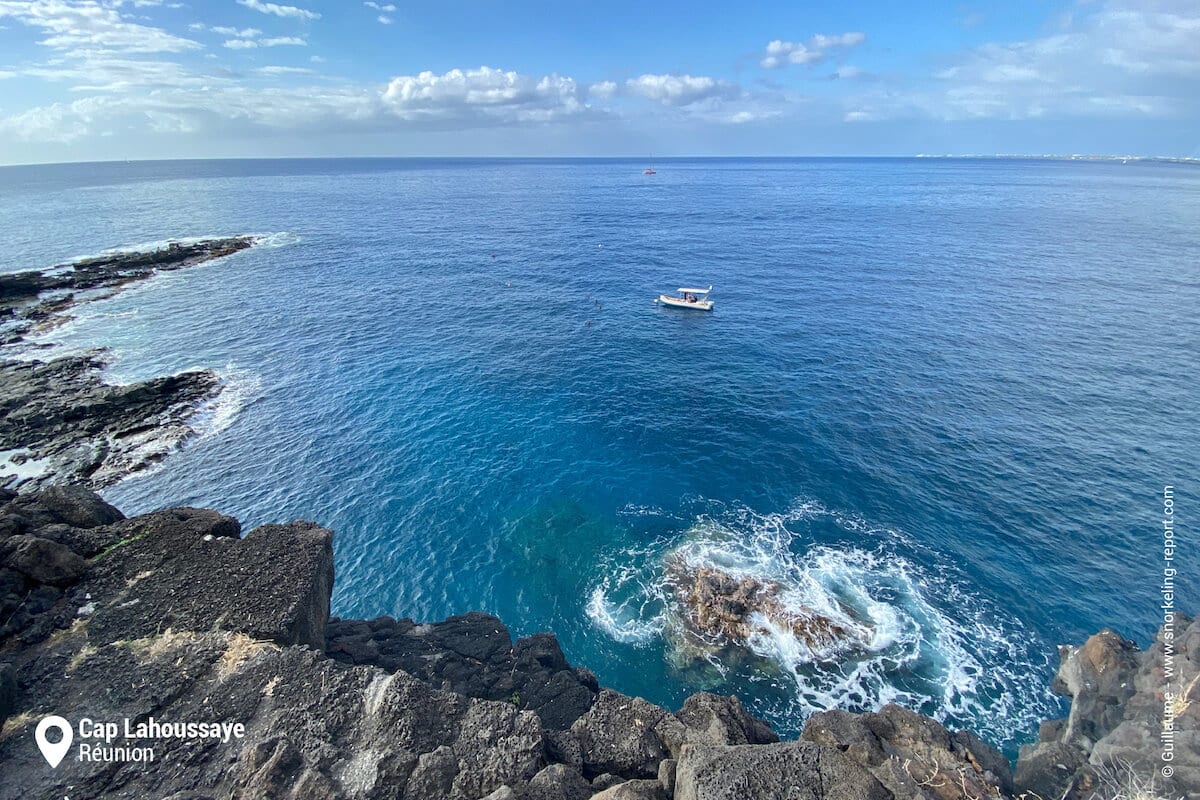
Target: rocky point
(60, 422)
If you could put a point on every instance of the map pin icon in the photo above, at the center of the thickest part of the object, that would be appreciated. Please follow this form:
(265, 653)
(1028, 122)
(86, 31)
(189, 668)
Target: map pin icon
(54, 751)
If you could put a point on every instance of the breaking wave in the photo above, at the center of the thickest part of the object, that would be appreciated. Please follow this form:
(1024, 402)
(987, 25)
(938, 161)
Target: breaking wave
(920, 639)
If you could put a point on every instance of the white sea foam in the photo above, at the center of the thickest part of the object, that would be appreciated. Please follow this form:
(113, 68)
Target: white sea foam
(929, 644)
(16, 466)
(619, 621)
(279, 239)
(239, 389)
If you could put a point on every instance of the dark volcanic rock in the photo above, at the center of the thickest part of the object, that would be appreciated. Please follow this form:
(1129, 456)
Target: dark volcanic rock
(274, 584)
(1111, 742)
(67, 505)
(715, 719)
(633, 790)
(91, 432)
(175, 616)
(557, 782)
(792, 770)
(1098, 677)
(315, 728)
(8, 691)
(472, 654)
(632, 738)
(23, 285)
(912, 755)
(117, 269)
(43, 561)
(60, 414)
(623, 736)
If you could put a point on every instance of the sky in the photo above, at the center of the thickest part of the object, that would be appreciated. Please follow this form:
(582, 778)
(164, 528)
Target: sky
(85, 80)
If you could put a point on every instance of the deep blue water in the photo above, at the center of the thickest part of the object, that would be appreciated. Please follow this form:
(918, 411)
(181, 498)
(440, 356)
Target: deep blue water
(944, 394)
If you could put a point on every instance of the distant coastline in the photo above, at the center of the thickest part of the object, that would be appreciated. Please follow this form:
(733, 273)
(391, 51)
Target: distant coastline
(1061, 157)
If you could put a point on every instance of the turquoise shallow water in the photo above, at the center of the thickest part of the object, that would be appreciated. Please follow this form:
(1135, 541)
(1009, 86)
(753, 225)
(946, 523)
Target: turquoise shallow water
(943, 394)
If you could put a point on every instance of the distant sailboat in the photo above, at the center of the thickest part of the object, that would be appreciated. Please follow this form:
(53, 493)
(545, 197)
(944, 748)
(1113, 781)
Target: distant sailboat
(650, 169)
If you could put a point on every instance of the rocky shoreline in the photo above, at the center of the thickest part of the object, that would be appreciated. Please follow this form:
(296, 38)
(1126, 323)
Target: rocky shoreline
(176, 616)
(59, 421)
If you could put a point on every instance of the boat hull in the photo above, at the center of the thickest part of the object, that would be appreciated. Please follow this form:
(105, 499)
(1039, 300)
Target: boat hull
(675, 302)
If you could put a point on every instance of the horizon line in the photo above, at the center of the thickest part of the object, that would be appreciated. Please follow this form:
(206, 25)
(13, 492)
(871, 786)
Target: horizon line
(660, 159)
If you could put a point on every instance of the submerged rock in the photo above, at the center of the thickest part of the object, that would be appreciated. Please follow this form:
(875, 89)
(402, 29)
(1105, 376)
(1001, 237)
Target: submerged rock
(718, 607)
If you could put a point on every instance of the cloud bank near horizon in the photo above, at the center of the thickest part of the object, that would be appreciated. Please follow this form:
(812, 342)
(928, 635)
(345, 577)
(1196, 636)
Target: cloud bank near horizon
(95, 72)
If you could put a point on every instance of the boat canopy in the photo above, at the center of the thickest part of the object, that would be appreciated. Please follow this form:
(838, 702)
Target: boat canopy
(695, 291)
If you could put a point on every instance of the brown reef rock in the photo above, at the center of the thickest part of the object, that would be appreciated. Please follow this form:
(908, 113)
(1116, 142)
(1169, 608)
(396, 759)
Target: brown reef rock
(720, 606)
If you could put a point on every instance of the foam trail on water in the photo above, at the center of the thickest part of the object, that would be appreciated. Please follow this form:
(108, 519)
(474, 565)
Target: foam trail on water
(239, 389)
(276, 240)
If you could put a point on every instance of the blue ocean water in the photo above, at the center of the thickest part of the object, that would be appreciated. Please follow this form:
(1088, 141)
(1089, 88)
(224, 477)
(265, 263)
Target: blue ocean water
(941, 395)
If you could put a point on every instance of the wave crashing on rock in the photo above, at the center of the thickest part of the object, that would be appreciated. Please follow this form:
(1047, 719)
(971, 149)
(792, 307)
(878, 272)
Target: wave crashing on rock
(816, 609)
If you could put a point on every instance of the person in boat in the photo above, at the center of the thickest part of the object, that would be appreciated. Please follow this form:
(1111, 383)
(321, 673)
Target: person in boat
(688, 296)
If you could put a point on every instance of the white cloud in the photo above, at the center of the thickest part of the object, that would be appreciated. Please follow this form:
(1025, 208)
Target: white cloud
(244, 33)
(83, 24)
(54, 123)
(1110, 61)
(748, 115)
(603, 89)
(1118, 60)
(274, 70)
(279, 10)
(483, 95)
(276, 41)
(384, 19)
(222, 108)
(227, 30)
(388, 7)
(682, 90)
(815, 50)
(107, 72)
(848, 72)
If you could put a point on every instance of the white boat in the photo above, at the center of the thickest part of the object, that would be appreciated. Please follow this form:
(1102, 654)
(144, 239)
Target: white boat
(689, 298)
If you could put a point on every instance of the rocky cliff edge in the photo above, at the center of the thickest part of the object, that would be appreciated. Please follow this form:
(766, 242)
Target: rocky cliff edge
(176, 616)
